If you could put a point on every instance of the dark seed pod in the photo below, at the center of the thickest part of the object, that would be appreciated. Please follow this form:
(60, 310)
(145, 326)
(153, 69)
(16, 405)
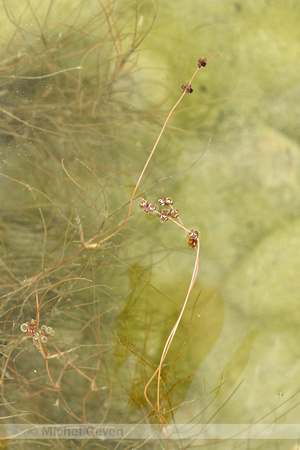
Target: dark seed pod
(192, 243)
(162, 201)
(194, 234)
(164, 215)
(151, 207)
(202, 62)
(174, 213)
(187, 88)
(163, 218)
(193, 238)
(143, 203)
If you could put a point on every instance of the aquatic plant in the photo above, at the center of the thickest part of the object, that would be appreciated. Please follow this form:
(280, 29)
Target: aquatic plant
(85, 335)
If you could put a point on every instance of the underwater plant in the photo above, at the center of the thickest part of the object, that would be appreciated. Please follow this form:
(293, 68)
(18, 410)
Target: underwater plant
(99, 310)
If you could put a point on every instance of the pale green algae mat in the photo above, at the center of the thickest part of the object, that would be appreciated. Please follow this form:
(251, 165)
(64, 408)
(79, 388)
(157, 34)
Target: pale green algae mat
(243, 195)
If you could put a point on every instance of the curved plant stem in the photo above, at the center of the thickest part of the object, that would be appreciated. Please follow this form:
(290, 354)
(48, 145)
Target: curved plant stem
(148, 160)
(171, 336)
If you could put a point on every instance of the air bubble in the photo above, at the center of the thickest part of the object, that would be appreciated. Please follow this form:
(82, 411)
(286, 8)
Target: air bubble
(24, 327)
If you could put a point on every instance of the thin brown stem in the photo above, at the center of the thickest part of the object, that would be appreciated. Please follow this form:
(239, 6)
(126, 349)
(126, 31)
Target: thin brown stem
(149, 159)
(171, 336)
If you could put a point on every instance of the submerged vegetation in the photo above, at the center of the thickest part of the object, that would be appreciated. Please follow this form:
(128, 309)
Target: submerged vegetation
(71, 157)
(94, 326)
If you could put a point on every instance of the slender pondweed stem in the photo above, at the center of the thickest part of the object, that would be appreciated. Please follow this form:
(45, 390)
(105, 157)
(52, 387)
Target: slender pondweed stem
(171, 337)
(193, 242)
(201, 63)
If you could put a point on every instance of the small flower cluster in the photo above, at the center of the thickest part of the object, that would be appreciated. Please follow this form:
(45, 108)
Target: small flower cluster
(187, 88)
(164, 213)
(31, 329)
(170, 213)
(202, 62)
(193, 238)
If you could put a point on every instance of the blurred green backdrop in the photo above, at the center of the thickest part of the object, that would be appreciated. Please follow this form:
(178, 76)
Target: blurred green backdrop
(128, 61)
